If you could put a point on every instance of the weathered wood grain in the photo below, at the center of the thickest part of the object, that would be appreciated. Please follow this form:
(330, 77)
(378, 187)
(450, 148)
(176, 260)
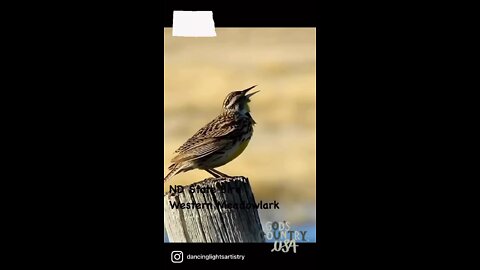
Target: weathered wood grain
(215, 224)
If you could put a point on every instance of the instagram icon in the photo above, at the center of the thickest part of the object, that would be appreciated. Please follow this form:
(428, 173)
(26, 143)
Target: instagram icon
(177, 256)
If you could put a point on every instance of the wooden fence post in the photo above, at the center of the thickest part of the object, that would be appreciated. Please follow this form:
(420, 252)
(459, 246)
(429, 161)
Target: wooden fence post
(219, 212)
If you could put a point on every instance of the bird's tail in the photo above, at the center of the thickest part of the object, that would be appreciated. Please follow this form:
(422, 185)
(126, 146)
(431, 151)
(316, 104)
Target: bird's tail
(174, 169)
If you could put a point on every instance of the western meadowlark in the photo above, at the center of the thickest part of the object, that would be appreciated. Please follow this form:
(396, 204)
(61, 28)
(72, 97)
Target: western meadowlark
(220, 141)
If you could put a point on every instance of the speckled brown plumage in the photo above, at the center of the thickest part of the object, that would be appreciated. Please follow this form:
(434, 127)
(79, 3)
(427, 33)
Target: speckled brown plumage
(218, 142)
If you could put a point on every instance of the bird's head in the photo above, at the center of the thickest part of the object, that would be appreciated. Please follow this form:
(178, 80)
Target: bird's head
(238, 100)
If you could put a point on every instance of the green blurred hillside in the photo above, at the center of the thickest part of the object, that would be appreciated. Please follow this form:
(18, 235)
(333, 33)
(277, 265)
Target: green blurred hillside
(200, 72)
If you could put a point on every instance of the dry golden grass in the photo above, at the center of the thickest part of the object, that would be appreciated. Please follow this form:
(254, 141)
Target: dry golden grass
(200, 72)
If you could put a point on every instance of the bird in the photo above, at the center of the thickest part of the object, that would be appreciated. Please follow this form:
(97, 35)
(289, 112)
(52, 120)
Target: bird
(220, 141)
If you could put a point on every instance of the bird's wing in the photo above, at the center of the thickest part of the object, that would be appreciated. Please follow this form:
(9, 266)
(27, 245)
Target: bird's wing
(205, 148)
(221, 126)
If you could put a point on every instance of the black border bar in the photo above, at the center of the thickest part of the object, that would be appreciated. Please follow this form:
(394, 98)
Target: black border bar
(250, 13)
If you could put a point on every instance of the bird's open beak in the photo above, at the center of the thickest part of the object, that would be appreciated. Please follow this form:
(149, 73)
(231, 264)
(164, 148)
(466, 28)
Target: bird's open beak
(249, 95)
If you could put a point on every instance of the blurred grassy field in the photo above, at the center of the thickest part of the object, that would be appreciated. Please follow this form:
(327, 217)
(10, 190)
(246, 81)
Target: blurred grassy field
(200, 72)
